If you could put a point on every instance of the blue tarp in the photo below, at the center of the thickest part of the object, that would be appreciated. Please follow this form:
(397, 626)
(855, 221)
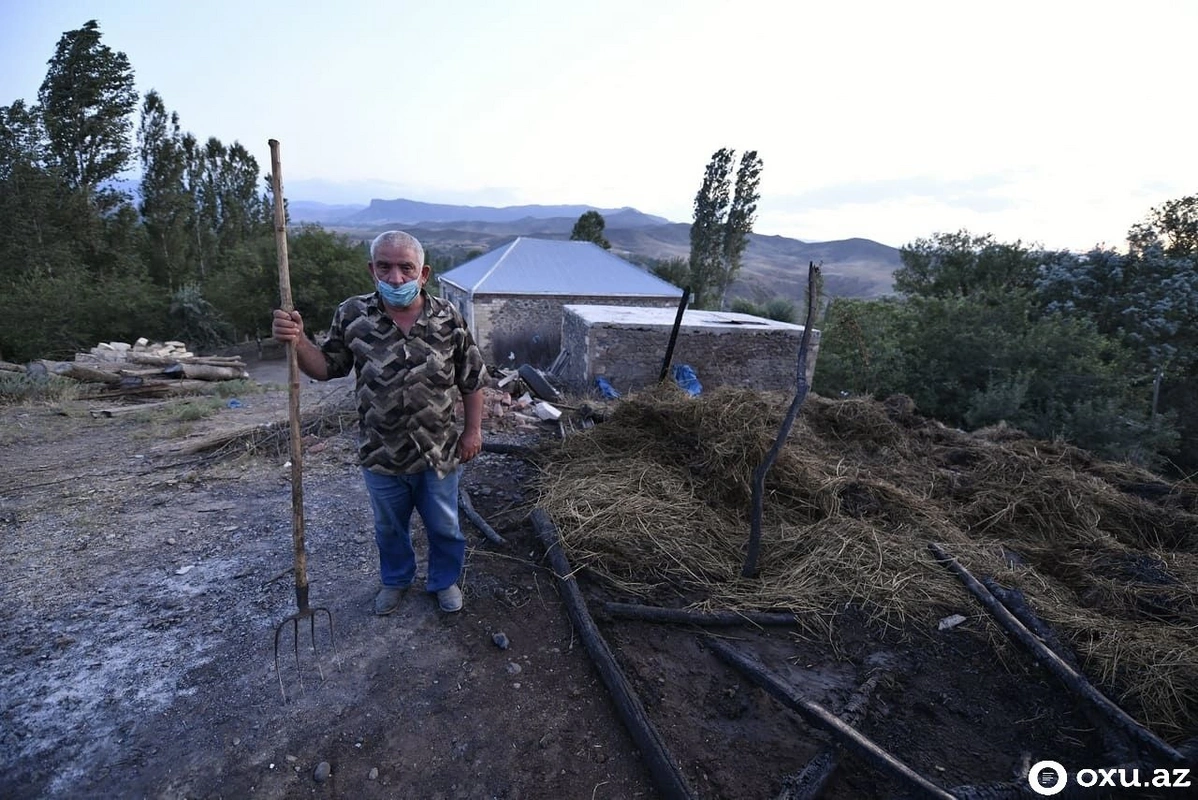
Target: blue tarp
(684, 376)
(605, 388)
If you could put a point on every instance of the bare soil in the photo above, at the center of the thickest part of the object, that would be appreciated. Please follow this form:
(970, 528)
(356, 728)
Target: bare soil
(140, 590)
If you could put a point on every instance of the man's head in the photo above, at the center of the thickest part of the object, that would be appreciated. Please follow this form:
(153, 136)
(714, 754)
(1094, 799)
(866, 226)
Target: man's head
(396, 259)
(397, 238)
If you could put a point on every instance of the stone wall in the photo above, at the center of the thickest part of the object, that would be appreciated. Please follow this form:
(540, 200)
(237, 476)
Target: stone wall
(630, 356)
(530, 326)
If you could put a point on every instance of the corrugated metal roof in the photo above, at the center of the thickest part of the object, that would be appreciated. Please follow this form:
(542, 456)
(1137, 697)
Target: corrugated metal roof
(549, 266)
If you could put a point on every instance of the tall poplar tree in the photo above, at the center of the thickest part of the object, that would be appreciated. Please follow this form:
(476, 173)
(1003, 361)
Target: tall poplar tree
(87, 102)
(739, 223)
(724, 216)
(707, 230)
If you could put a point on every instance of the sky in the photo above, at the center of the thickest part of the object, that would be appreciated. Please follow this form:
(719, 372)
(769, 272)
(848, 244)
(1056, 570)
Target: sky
(1056, 123)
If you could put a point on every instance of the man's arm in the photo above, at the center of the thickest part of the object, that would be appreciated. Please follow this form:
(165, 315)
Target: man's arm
(471, 442)
(289, 329)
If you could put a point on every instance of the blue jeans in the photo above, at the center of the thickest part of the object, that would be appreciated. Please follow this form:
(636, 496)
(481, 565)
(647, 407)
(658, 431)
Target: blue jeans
(393, 498)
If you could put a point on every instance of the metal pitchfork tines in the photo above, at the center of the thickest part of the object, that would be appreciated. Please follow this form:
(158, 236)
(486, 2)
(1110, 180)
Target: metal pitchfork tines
(304, 611)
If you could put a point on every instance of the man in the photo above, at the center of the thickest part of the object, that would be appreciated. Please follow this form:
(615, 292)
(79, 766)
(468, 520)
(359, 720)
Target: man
(409, 351)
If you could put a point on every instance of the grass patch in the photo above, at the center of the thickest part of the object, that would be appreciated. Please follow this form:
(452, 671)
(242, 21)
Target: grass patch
(18, 388)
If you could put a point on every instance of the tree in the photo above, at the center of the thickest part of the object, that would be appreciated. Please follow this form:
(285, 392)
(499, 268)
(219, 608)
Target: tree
(739, 224)
(87, 100)
(30, 199)
(1146, 298)
(961, 264)
(1173, 226)
(777, 308)
(671, 270)
(707, 230)
(589, 228)
(166, 207)
(723, 220)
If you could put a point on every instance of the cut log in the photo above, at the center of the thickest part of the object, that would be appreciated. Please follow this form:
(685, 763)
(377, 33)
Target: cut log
(818, 716)
(6, 366)
(78, 372)
(1074, 681)
(667, 777)
(468, 509)
(682, 616)
(205, 372)
(166, 361)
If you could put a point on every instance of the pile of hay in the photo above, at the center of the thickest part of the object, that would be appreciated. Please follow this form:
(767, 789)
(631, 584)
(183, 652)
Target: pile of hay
(657, 500)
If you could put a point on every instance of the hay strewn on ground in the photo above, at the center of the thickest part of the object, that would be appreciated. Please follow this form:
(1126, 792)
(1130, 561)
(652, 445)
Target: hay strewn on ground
(658, 497)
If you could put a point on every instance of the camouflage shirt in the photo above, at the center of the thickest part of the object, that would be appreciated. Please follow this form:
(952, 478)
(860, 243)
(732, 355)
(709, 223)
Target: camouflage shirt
(405, 384)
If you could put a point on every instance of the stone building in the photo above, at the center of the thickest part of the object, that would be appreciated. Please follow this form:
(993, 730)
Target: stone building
(512, 297)
(627, 346)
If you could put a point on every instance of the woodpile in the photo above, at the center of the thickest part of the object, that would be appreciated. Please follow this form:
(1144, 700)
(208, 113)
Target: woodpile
(143, 369)
(121, 351)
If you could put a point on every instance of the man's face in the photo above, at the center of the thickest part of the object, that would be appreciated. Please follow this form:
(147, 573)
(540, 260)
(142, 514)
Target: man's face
(396, 265)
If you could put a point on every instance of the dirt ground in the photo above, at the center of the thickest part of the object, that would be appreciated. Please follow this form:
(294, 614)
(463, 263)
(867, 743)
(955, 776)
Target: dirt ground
(140, 590)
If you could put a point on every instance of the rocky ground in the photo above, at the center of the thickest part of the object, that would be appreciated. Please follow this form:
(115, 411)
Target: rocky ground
(141, 589)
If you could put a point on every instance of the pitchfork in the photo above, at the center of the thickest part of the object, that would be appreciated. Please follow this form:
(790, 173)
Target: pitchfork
(304, 611)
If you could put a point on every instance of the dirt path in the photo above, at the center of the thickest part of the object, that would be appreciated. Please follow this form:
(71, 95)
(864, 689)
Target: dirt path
(139, 592)
(140, 595)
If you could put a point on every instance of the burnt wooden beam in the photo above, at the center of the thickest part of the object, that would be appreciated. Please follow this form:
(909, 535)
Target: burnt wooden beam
(820, 717)
(810, 782)
(468, 509)
(682, 616)
(518, 450)
(667, 777)
(1118, 747)
(1074, 681)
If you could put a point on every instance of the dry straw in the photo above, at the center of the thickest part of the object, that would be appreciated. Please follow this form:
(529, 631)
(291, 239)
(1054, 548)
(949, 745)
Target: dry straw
(656, 501)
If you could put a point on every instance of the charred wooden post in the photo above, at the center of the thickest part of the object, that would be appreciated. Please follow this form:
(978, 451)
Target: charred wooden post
(1073, 680)
(518, 450)
(681, 616)
(815, 714)
(1118, 747)
(749, 570)
(1016, 603)
(669, 356)
(810, 782)
(666, 775)
(468, 509)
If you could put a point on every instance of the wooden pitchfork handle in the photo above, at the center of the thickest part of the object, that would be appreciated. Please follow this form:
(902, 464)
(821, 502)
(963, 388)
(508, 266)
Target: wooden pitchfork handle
(293, 386)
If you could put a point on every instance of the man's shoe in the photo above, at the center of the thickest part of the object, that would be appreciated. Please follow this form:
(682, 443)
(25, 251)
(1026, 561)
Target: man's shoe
(450, 599)
(387, 600)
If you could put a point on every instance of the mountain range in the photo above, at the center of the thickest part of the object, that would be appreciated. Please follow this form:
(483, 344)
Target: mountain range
(772, 266)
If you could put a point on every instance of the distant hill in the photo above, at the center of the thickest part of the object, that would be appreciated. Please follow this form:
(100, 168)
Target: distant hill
(322, 213)
(774, 266)
(413, 212)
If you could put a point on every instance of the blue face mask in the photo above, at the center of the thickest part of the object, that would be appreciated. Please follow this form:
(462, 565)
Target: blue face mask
(400, 296)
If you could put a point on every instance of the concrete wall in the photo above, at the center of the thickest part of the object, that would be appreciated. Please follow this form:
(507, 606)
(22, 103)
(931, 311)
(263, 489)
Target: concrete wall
(748, 352)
